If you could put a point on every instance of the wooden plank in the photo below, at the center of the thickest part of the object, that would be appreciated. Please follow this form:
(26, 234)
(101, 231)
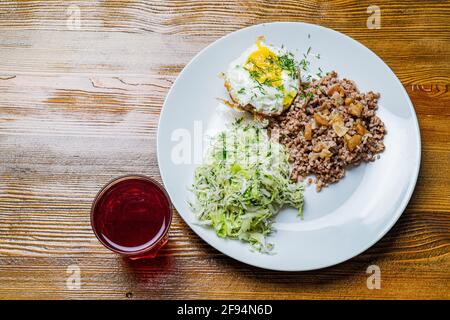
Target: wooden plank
(35, 37)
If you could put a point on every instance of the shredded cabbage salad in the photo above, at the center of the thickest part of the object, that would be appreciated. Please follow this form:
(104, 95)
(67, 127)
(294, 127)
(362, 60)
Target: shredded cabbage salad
(243, 183)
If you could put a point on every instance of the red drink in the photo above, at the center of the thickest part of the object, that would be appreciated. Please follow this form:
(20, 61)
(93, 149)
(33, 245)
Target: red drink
(131, 216)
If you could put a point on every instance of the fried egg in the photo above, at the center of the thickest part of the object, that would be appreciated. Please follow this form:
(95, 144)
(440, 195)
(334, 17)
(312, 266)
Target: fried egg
(264, 79)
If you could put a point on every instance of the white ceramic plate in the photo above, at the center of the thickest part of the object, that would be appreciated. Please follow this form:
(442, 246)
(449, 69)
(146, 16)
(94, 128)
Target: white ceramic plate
(342, 220)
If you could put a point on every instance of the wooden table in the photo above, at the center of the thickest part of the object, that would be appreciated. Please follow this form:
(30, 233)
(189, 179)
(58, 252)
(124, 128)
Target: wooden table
(79, 105)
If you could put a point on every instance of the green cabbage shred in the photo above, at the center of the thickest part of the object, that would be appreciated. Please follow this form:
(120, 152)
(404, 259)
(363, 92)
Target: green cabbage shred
(243, 183)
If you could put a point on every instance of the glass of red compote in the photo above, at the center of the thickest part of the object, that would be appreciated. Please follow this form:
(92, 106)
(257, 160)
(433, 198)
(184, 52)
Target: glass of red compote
(131, 215)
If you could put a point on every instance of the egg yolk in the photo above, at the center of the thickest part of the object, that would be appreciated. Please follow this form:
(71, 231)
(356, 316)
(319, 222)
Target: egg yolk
(289, 97)
(264, 67)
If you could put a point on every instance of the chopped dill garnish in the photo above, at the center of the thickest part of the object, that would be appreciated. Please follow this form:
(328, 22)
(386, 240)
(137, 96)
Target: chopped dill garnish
(261, 88)
(309, 95)
(304, 64)
(319, 74)
(287, 62)
(254, 74)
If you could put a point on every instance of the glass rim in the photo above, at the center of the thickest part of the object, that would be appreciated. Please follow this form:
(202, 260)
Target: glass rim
(107, 187)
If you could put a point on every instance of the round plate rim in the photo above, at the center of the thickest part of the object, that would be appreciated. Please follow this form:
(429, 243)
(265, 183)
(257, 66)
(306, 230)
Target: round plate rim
(400, 209)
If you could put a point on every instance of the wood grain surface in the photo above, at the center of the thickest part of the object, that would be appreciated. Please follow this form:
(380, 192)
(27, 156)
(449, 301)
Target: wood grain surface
(80, 106)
